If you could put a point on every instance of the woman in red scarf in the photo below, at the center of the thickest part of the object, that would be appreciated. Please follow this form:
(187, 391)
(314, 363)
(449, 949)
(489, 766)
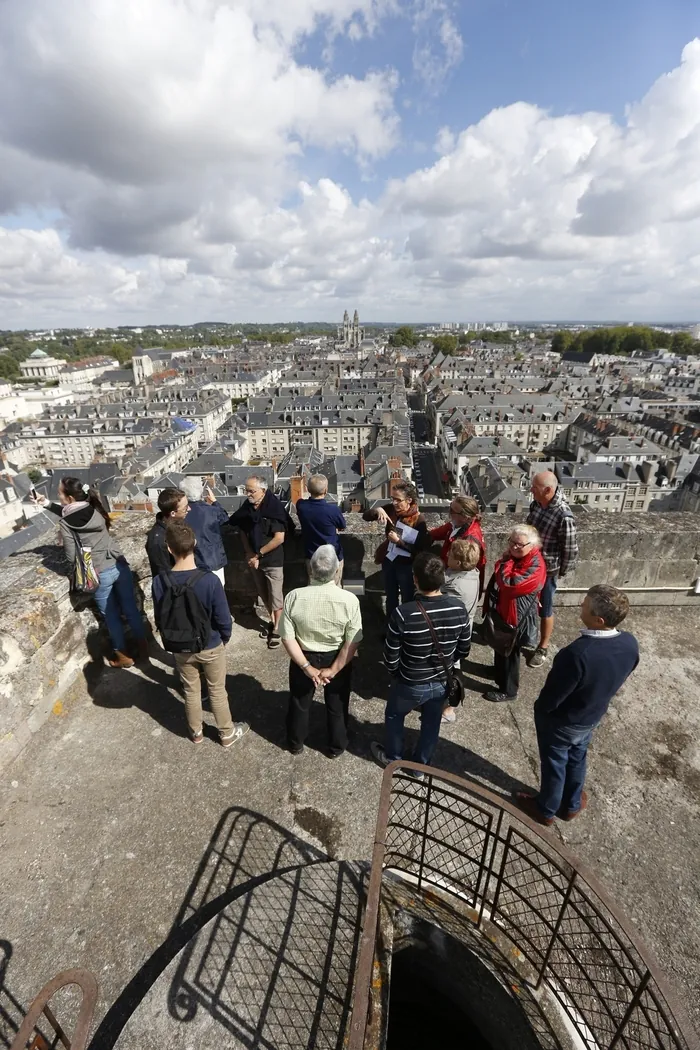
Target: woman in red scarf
(513, 591)
(464, 523)
(395, 554)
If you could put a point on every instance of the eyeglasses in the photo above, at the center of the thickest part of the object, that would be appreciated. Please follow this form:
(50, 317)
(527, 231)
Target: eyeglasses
(520, 546)
(399, 499)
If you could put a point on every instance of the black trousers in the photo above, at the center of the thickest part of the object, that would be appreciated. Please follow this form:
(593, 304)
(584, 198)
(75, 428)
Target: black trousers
(337, 697)
(507, 672)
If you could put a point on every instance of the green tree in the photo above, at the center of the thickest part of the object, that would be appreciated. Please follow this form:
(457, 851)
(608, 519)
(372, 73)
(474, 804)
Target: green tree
(562, 341)
(35, 475)
(403, 336)
(445, 344)
(683, 343)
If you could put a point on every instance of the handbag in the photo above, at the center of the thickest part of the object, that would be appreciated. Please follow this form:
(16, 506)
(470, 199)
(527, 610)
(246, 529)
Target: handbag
(455, 685)
(501, 636)
(84, 578)
(380, 553)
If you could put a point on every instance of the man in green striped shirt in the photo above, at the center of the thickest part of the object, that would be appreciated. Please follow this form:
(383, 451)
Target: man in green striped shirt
(321, 628)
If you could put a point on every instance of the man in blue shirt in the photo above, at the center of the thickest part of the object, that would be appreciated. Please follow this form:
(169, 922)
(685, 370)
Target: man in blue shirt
(206, 517)
(320, 522)
(585, 676)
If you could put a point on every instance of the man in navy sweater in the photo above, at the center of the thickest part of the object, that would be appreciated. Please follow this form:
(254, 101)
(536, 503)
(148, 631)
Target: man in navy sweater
(584, 678)
(180, 540)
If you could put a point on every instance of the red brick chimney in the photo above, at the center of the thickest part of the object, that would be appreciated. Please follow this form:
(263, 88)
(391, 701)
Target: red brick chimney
(297, 488)
(394, 463)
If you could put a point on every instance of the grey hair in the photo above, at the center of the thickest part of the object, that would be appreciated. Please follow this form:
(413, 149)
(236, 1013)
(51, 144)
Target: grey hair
(192, 487)
(324, 563)
(262, 482)
(527, 530)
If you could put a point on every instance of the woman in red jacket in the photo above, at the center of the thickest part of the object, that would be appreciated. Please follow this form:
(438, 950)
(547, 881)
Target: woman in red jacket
(464, 523)
(513, 591)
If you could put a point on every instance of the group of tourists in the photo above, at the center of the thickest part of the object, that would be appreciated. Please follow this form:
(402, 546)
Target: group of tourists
(431, 605)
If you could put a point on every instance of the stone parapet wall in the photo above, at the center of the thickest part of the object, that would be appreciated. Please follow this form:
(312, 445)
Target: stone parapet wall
(46, 638)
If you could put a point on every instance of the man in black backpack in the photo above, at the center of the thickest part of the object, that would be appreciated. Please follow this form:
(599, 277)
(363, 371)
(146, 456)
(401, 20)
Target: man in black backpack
(192, 615)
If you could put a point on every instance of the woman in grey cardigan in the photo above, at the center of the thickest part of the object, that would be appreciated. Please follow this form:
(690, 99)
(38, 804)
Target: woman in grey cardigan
(84, 520)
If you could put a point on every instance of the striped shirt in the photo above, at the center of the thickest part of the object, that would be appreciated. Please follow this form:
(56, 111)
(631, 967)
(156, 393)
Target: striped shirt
(322, 617)
(409, 650)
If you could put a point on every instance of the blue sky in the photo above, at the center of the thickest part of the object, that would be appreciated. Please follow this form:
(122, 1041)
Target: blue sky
(562, 55)
(268, 159)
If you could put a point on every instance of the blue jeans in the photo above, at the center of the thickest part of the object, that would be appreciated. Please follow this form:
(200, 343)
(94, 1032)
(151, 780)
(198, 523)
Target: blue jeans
(398, 578)
(563, 750)
(404, 697)
(114, 596)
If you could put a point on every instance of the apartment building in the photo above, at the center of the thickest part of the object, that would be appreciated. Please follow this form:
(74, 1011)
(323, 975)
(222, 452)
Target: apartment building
(621, 487)
(82, 374)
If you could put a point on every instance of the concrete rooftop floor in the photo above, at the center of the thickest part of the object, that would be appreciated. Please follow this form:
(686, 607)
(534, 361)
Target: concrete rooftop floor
(106, 815)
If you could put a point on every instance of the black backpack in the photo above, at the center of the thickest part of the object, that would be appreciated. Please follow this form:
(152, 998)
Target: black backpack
(184, 623)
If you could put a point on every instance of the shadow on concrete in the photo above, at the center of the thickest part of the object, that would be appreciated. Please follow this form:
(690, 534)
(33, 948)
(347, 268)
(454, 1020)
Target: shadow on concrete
(11, 1010)
(245, 851)
(149, 691)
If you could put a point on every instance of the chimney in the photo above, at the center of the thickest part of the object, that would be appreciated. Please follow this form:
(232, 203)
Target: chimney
(297, 488)
(394, 463)
(645, 470)
(362, 462)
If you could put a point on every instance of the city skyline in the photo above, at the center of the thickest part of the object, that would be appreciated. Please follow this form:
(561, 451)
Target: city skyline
(235, 158)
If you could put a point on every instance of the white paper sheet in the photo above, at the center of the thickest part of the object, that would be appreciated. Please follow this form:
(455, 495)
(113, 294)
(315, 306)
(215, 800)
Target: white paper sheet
(408, 535)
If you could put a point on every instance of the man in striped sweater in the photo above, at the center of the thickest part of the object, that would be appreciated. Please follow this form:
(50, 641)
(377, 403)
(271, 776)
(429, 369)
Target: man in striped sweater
(414, 663)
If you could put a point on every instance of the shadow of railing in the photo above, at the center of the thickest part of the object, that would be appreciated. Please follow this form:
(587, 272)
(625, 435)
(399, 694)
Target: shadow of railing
(284, 944)
(11, 1010)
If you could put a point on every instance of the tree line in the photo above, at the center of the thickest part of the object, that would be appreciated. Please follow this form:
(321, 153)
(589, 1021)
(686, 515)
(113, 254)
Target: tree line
(624, 340)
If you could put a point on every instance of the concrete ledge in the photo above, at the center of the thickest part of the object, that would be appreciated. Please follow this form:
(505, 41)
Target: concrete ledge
(46, 636)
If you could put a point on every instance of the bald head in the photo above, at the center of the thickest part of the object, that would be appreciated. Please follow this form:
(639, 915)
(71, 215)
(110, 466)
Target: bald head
(544, 485)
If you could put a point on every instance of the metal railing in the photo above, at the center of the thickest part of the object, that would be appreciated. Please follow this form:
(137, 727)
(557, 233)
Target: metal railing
(40, 1008)
(447, 834)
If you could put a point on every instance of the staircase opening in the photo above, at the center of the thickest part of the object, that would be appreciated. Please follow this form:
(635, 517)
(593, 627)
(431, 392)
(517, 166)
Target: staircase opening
(423, 1010)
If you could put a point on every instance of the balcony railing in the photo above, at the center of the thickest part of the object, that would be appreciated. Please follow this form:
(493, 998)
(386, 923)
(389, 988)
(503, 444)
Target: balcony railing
(514, 883)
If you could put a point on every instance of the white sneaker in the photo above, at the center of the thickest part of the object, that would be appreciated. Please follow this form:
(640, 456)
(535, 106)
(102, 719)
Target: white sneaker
(239, 729)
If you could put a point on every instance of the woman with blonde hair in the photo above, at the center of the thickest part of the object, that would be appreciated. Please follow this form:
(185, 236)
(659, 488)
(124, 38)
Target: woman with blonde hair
(511, 606)
(464, 523)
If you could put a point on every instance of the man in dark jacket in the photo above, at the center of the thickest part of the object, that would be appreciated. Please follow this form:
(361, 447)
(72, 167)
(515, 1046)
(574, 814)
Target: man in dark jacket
(173, 506)
(211, 660)
(206, 517)
(263, 522)
(585, 676)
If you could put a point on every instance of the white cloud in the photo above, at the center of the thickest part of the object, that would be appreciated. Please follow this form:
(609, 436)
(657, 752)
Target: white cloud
(439, 46)
(173, 141)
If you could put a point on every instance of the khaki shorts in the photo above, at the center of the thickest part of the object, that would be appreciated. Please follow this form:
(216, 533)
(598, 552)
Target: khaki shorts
(270, 586)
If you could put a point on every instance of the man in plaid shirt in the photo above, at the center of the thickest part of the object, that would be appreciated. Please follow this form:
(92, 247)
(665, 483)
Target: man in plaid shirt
(553, 518)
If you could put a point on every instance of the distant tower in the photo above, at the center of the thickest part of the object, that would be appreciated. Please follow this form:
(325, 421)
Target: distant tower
(346, 328)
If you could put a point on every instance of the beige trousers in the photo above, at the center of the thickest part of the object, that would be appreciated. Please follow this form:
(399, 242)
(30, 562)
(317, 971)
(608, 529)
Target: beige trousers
(213, 665)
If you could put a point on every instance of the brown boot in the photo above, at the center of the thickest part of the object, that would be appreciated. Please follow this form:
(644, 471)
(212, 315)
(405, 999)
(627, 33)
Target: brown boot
(120, 660)
(573, 813)
(142, 650)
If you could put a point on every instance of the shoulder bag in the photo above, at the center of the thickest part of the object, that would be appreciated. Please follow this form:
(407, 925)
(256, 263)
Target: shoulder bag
(501, 636)
(455, 686)
(84, 578)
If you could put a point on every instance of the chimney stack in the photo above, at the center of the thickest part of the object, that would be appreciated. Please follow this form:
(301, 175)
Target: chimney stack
(297, 488)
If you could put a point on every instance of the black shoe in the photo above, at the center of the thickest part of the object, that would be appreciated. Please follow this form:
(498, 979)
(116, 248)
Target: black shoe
(495, 697)
(379, 754)
(295, 750)
(273, 640)
(335, 754)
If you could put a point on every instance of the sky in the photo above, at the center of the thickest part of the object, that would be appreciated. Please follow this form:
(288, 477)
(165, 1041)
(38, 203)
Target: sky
(280, 160)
